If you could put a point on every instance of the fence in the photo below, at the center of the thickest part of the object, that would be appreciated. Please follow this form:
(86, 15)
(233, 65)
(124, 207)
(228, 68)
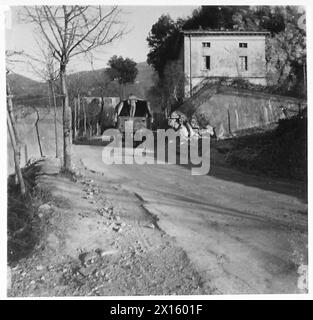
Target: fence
(35, 123)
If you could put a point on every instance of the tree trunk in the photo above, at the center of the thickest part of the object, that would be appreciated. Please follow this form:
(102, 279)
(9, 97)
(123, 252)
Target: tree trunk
(101, 117)
(26, 153)
(78, 112)
(13, 122)
(18, 170)
(37, 132)
(122, 92)
(229, 126)
(85, 119)
(55, 120)
(97, 129)
(75, 118)
(67, 121)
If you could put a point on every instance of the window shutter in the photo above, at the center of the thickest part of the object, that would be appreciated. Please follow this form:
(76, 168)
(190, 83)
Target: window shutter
(203, 63)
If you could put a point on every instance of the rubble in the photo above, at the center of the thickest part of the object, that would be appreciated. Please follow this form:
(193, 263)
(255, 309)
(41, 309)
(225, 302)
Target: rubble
(44, 209)
(179, 122)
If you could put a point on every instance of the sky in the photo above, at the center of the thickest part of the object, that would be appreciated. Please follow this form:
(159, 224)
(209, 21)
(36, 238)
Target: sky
(139, 20)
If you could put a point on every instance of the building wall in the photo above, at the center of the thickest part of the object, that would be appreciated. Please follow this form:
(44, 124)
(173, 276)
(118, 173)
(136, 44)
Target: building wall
(224, 55)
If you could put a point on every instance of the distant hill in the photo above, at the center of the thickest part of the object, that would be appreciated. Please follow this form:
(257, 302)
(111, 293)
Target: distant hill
(140, 87)
(23, 86)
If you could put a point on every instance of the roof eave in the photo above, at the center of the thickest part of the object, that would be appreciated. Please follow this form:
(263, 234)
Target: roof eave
(223, 33)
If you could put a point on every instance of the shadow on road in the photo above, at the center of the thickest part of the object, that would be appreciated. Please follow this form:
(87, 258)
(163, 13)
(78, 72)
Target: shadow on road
(292, 188)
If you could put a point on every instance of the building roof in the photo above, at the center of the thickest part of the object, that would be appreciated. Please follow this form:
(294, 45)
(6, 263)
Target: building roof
(225, 33)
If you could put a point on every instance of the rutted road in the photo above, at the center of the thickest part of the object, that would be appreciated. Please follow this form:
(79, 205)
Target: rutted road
(244, 234)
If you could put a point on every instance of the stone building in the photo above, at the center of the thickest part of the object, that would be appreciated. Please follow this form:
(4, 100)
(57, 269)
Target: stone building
(223, 54)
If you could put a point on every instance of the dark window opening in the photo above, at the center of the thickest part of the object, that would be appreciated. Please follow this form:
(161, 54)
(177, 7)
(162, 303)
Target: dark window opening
(125, 112)
(141, 109)
(243, 45)
(207, 62)
(206, 44)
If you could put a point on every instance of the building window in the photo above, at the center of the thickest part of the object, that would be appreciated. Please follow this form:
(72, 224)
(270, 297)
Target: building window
(206, 44)
(243, 45)
(243, 63)
(206, 62)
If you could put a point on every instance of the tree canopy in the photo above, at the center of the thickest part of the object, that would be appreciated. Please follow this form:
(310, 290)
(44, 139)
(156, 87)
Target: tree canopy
(122, 70)
(163, 40)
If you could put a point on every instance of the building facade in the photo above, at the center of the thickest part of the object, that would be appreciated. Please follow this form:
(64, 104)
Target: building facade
(223, 54)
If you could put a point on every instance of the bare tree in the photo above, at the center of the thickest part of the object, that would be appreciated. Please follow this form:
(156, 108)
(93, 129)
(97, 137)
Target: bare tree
(37, 131)
(70, 31)
(12, 127)
(45, 68)
(76, 89)
(102, 81)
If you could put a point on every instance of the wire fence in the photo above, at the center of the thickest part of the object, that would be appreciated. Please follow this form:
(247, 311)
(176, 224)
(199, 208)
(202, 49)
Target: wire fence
(36, 120)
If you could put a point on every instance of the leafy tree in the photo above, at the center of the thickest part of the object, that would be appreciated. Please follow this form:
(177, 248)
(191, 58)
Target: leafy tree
(163, 41)
(122, 70)
(286, 55)
(212, 17)
(256, 18)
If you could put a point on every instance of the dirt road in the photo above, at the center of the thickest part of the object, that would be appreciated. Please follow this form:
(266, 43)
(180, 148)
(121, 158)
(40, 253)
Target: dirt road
(243, 234)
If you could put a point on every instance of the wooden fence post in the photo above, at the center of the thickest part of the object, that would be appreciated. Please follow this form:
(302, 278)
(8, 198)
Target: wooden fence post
(18, 170)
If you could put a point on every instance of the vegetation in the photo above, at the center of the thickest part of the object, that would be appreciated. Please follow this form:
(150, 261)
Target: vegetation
(23, 227)
(123, 71)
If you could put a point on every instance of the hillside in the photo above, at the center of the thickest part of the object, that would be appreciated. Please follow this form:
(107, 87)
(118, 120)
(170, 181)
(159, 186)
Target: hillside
(22, 86)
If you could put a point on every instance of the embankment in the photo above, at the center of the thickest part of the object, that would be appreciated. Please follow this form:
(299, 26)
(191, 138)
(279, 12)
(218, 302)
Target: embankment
(230, 110)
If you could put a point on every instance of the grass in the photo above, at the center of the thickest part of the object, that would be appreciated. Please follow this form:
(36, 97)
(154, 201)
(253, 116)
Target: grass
(24, 227)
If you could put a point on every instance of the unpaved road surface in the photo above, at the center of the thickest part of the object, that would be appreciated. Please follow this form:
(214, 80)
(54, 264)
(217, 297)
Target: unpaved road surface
(242, 233)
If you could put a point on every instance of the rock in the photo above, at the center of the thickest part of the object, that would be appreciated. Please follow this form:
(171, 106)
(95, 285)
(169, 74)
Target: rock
(53, 241)
(108, 252)
(150, 225)
(39, 268)
(116, 229)
(88, 258)
(86, 271)
(44, 209)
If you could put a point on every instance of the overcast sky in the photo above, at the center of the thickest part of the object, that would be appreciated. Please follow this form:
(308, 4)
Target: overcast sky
(139, 19)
